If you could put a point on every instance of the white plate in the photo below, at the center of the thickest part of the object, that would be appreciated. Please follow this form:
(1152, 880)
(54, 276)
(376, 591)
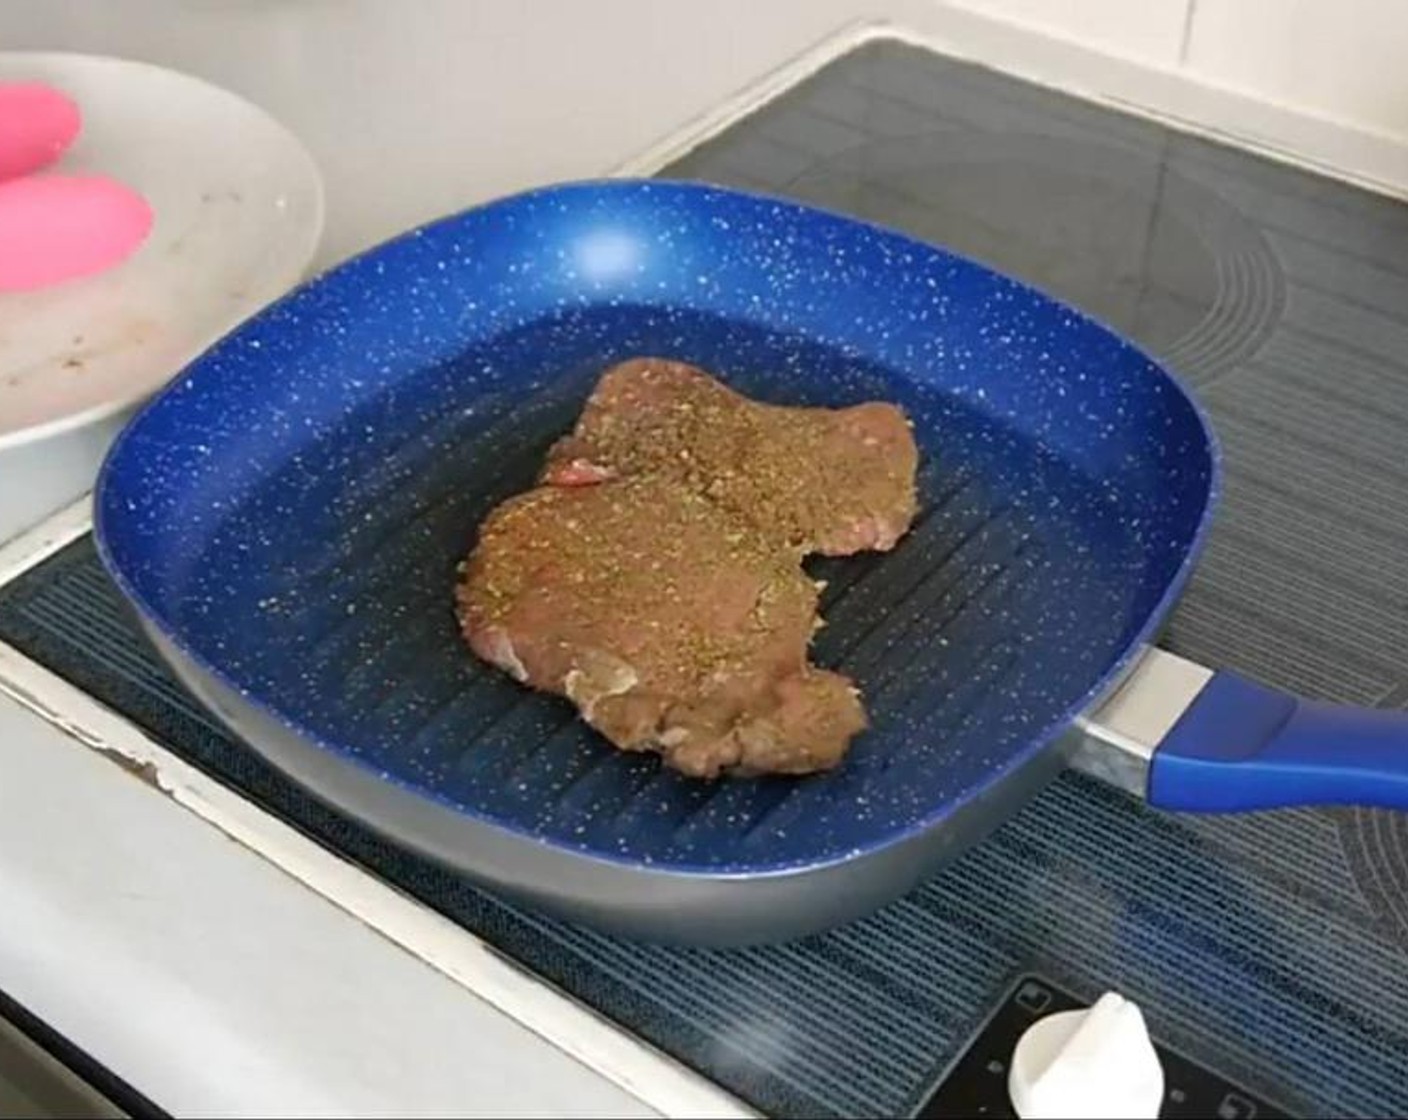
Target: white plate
(238, 208)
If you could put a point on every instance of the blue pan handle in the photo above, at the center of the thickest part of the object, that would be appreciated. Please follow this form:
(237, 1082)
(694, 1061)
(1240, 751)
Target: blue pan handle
(1240, 745)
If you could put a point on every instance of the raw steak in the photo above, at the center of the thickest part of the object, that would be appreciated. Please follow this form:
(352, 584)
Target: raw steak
(655, 579)
(671, 626)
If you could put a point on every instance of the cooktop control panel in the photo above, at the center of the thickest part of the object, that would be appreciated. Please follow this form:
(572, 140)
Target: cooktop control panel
(977, 1083)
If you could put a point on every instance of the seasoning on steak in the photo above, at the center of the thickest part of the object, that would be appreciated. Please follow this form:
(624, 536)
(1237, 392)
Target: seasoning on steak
(654, 578)
(834, 481)
(671, 625)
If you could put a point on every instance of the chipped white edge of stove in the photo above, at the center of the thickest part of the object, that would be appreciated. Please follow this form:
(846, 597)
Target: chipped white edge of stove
(216, 983)
(613, 1052)
(571, 1026)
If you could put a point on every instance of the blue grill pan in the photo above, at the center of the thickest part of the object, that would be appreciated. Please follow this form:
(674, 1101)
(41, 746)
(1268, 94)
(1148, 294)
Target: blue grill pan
(286, 519)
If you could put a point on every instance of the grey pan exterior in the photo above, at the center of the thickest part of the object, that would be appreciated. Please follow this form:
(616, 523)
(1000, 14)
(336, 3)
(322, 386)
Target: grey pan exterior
(632, 901)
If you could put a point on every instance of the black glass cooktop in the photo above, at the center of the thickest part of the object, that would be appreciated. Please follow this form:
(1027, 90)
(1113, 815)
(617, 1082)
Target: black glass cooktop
(1271, 949)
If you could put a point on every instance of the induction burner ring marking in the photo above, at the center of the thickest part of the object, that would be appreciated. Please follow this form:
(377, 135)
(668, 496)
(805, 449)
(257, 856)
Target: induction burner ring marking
(1166, 262)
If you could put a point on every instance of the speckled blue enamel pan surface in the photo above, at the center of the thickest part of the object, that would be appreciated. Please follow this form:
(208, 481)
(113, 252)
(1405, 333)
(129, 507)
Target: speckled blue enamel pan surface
(288, 515)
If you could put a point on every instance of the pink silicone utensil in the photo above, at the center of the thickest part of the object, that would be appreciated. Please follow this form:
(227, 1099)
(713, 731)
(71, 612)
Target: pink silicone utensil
(55, 228)
(37, 124)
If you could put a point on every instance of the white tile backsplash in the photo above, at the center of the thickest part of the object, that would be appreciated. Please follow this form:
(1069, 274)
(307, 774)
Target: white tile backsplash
(1146, 30)
(1342, 59)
